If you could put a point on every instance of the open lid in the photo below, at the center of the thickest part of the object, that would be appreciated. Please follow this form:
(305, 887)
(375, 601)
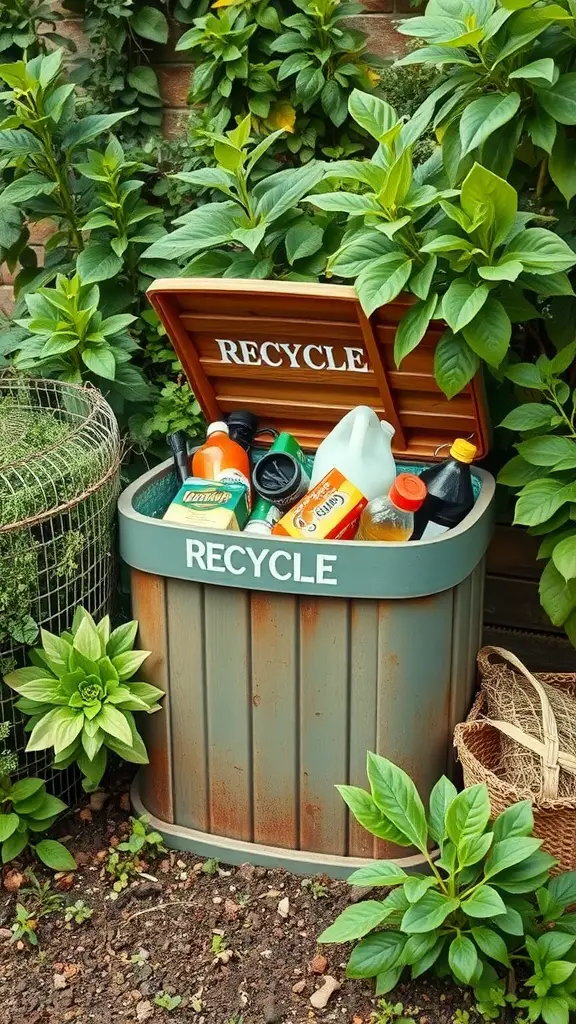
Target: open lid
(300, 356)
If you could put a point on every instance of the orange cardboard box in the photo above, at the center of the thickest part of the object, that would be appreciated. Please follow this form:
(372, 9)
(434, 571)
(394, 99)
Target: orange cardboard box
(330, 511)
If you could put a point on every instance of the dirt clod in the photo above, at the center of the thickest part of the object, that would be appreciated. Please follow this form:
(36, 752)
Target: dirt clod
(319, 964)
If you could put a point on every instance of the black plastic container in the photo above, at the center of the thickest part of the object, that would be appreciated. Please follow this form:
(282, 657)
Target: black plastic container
(450, 493)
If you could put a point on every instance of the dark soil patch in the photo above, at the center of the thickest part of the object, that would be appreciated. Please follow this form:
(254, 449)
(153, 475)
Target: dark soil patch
(161, 933)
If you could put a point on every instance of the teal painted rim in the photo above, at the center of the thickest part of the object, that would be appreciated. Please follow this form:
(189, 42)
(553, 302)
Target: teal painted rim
(234, 851)
(285, 565)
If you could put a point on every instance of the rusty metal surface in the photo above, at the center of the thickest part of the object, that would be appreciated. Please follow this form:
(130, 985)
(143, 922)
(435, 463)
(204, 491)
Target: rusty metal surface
(275, 698)
(149, 607)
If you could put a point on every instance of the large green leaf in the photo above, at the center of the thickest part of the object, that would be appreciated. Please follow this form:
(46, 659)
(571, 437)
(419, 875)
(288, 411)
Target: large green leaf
(508, 852)
(113, 721)
(489, 333)
(382, 281)
(369, 815)
(375, 954)
(529, 416)
(55, 855)
(98, 262)
(454, 363)
(19, 143)
(87, 640)
(25, 788)
(462, 302)
(372, 113)
(355, 921)
(122, 639)
(379, 872)
(204, 228)
(557, 596)
(8, 825)
(100, 360)
(128, 663)
(429, 913)
(484, 902)
(548, 451)
(560, 99)
(442, 795)
(537, 71)
(483, 116)
(468, 814)
(538, 501)
(492, 944)
(490, 199)
(463, 958)
(91, 127)
(280, 192)
(398, 799)
(413, 327)
(540, 251)
(150, 23)
(562, 888)
(564, 557)
(145, 80)
(516, 820)
(13, 846)
(562, 165)
(418, 946)
(44, 731)
(26, 187)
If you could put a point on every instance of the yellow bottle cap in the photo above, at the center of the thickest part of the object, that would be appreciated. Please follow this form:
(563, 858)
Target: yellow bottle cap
(463, 450)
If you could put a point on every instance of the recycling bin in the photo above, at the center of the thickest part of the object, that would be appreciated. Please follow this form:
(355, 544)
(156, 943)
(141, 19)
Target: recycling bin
(283, 660)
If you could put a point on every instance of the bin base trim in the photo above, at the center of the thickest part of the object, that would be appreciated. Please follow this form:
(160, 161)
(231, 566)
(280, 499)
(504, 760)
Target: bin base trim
(235, 851)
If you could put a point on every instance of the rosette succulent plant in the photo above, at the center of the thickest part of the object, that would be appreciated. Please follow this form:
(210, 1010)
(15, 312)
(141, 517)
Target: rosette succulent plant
(80, 695)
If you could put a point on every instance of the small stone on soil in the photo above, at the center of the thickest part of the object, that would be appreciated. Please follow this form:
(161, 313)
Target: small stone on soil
(144, 1010)
(299, 987)
(319, 998)
(60, 981)
(319, 964)
(284, 907)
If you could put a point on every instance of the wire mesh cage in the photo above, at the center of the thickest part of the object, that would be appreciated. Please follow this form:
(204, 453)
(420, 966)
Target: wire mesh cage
(60, 455)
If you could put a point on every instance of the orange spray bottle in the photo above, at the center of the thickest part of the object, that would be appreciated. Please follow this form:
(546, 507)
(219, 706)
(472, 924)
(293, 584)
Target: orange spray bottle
(222, 459)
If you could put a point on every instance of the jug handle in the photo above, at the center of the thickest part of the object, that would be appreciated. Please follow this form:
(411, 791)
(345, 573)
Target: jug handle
(360, 427)
(388, 428)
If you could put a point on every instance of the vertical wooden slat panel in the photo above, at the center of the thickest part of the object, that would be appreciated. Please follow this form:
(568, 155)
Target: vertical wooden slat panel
(363, 677)
(185, 613)
(149, 607)
(229, 697)
(275, 719)
(324, 674)
(413, 691)
(460, 669)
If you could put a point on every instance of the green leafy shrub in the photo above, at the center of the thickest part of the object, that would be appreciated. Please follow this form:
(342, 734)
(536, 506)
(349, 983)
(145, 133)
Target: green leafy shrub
(27, 25)
(27, 811)
(508, 88)
(487, 901)
(67, 337)
(117, 74)
(543, 474)
(466, 254)
(291, 69)
(80, 695)
(257, 230)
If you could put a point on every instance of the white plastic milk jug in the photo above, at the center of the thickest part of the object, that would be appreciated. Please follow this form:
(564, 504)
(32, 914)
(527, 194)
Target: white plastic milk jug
(359, 446)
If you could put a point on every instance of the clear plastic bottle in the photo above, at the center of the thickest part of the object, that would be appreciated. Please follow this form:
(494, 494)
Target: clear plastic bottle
(392, 518)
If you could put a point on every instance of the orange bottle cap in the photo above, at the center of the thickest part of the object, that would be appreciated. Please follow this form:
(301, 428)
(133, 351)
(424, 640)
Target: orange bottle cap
(408, 492)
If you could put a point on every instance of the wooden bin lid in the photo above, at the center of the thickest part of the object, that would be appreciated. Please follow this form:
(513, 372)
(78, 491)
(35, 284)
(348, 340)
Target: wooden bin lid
(301, 355)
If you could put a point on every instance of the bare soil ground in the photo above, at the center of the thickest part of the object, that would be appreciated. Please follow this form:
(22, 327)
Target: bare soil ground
(238, 946)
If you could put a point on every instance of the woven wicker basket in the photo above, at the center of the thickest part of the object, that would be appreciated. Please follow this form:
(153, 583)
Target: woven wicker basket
(479, 745)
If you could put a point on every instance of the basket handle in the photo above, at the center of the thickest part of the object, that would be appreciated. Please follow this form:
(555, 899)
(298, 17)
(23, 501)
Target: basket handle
(549, 749)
